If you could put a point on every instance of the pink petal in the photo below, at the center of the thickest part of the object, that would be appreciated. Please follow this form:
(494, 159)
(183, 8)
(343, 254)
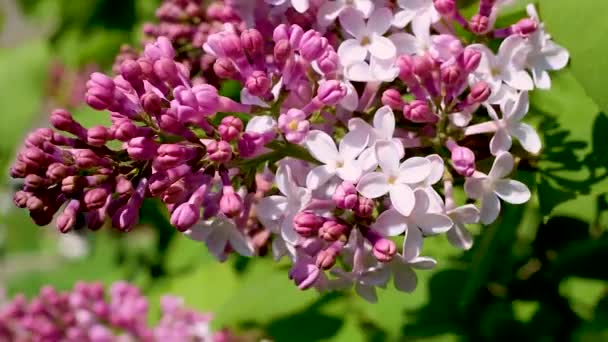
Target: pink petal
(352, 21)
(512, 191)
(373, 185)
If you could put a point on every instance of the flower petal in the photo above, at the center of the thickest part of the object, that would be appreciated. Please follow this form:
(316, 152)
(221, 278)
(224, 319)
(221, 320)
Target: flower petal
(474, 187)
(406, 43)
(500, 142)
(412, 244)
(300, 5)
(437, 169)
(379, 21)
(352, 21)
(423, 263)
(460, 237)
(270, 209)
(528, 137)
(384, 122)
(387, 156)
(352, 144)
(328, 12)
(322, 147)
(405, 279)
(403, 199)
(366, 292)
(390, 223)
(351, 51)
(512, 191)
(467, 213)
(490, 208)
(519, 109)
(319, 176)
(502, 166)
(402, 18)
(434, 223)
(350, 171)
(382, 47)
(414, 170)
(359, 72)
(373, 185)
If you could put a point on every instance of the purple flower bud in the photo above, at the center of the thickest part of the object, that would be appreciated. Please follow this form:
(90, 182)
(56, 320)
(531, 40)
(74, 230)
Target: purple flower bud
(331, 92)
(185, 216)
(38, 137)
(480, 92)
(312, 45)
(33, 182)
(57, 171)
(62, 120)
(329, 62)
(67, 219)
(95, 198)
(20, 198)
(333, 230)
(525, 27)
(176, 193)
(207, 98)
(486, 7)
(34, 158)
(85, 158)
(451, 75)
(281, 32)
(230, 128)
(446, 8)
(423, 66)
(258, 83)
(124, 187)
(231, 203)
(364, 207)
(469, 60)
(282, 51)
(142, 148)
(219, 151)
(253, 42)
(162, 47)
(124, 130)
(405, 63)
(167, 70)
(151, 103)
(224, 68)
(98, 136)
(392, 98)
(72, 184)
(34, 203)
(231, 45)
(419, 111)
(463, 159)
(384, 250)
(250, 144)
(345, 196)
(95, 219)
(294, 125)
(307, 223)
(172, 155)
(479, 24)
(326, 258)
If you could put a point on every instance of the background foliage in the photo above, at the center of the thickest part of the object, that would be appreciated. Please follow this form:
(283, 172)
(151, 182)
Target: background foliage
(537, 274)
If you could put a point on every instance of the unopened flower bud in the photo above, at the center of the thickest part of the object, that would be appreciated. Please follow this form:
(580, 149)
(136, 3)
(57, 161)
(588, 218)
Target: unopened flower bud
(312, 45)
(185, 216)
(364, 207)
(479, 24)
(334, 229)
(419, 111)
(326, 258)
(446, 8)
(231, 203)
(328, 62)
(345, 195)
(331, 92)
(307, 223)
(282, 51)
(252, 42)
(258, 83)
(469, 60)
(219, 151)
(98, 136)
(224, 68)
(230, 128)
(392, 98)
(141, 148)
(95, 198)
(480, 92)
(57, 172)
(384, 250)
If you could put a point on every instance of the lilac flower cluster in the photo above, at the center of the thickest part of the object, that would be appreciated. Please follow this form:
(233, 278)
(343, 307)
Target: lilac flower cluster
(88, 313)
(353, 128)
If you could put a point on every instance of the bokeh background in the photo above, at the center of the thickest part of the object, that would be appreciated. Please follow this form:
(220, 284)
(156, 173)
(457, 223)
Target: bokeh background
(539, 274)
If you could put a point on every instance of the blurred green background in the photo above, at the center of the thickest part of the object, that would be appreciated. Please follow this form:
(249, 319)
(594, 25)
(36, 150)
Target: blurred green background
(539, 274)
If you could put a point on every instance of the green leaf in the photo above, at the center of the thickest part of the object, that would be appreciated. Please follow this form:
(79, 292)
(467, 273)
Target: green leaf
(584, 38)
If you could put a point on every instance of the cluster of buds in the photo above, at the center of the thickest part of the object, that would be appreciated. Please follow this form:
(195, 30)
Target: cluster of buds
(88, 313)
(346, 140)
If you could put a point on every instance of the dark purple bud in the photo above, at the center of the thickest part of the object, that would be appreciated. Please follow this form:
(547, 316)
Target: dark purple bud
(231, 44)
(38, 137)
(85, 159)
(480, 92)
(446, 8)
(95, 198)
(331, 92)
(230, 128)
(33, 182)
(419, 111)
(326, 258)
(231, 203)
(451, 75)
(67, 219)
(175, 193)
(423, 66)
(42, 217)
(345, 196)
(34, 203)
(312, 45)
(253, 42)
(57, 171)
(463, 159)
(282, 51)
(185, 216)
(98, 136)
(172, 155)
(479, 24)
(62, 120)
(392, 98)
(525, 27)
(72, 184)
(20, 198)
(405, 63)
(131, 70)
(307, 223)
(469, 60)
(95, 219)
(142, 148)
(124, 130)
(124, 187)
(151, 103)
(258, 83)
(34, 158)
(364, 207)
(224, 68)
(333, 230)
(219, 151)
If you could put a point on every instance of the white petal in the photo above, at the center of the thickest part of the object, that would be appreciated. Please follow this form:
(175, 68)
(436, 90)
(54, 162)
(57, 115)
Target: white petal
(288, 233)
(541, 78)
(402, 198)
(556, 56)
(284, 181)
(528, 137)
(433, 223)
(460, 237)
(300, 5)
(437, 169)
(352, 144)
(406, 43)
(216, 243)
(239, 243)
(261, 124)
(352, 21)
(423, 263)
(384, 122)
(405, 279)
(390, 223)
(412, 244)
(402, 18)
(375, 277)
(367, 160)
(502, 166)
(350, 102)
(467, 213)
(373, 185)
(421, 27)
(474, 187)
(383, 70)
(518, 79)
(350, 171)
(490, 208)
(380, 21)
(322, 147)
(500, 142)
(414, 170)
(519, 109)
(359, 72)
(248, 99)
(356, 124)
(270, 209)
(351, 51)
(387, 156)
(382, 47)
(319, 176)
(366, 292)
(512, 191)
(365, 6)
(328, 12)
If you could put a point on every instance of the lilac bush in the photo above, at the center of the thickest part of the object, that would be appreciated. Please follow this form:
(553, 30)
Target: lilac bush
(355, 124)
